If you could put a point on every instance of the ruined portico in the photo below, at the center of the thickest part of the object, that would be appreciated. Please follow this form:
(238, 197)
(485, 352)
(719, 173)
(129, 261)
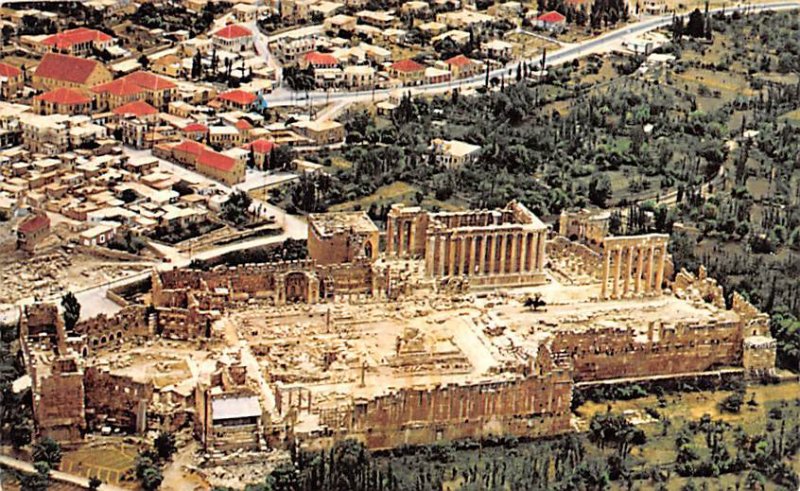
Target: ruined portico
(491, 247)
(633, 265)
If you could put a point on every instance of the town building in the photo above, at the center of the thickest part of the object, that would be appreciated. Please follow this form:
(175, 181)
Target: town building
(454, 154)
(407, 71)
(11, 81)
(138, 86)
(32, 231)
(57, 70)
(335, 238)
(324, 132)
(234, 38)
(63, 100)
(80, 41)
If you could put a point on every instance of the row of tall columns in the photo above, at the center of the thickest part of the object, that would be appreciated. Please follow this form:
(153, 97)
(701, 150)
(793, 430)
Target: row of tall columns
(621, 271)
(485, 254)
(400, 236)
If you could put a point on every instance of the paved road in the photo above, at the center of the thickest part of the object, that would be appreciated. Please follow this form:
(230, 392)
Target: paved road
(601, 44)
(27, 467)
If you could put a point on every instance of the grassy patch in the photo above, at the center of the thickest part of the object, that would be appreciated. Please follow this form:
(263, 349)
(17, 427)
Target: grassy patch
(395, 192)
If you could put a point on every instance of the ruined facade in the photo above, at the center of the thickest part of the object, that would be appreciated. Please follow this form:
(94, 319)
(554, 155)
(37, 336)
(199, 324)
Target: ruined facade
(633, 265)
(336, 238)
(491, 248)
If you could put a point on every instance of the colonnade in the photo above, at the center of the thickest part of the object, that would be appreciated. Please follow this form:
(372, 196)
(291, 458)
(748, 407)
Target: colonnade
(401, 236)
(485, 253)
(632, 267)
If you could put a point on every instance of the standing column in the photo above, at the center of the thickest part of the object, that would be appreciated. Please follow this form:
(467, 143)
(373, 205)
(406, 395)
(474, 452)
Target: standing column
(503, 247)
(401, 232)
(412, 235)
(639, 266)
(471, 259)
(512, 268)
(628, 269)
(540, 254)
(523, 257)
(452, 253)
(442, 254)
(617, 261)
(492, 253)
(482, 258)
(648, 270)
(430, 256)
(462, 255)
(604, 284)
(389, 236)
(662, 257)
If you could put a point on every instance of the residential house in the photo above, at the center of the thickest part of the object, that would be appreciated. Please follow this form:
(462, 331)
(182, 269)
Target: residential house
(57, 70)
(195, 131)
(462, 67)
(379, 19)
(144, 86)
(552, 21)
(497, 50)
(340, 22)
(436, 75)
(326, 9)
(245, 13)
(32, 231)
(233, 38)
(324, 132)
(169, 65)
(11, 81)
(408, 71)
(261, 152)
(62, 100)
(237, 99)
(78, 42)
(359, 76)
(318, 60)
(289, 49)
(224, 136)
(454, 153)
(221, 167)
(137, 121)
(98, 235)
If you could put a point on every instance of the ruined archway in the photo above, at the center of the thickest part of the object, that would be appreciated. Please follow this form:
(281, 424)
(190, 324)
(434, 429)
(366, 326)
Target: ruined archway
(296, 287)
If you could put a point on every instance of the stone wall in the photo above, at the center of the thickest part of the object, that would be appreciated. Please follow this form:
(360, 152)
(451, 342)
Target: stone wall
(603, 354)
(103, 330)
(58, 402)
(115, 399)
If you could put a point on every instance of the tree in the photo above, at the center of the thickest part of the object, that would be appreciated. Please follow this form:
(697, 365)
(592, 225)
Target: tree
(95, 483)
(535, 302)
(732, 403)
(281, 157)
(48, 451)
(236, 209)
(283, 478)
(600, 190)
(39, 481)
(696, 27)
(151, 478)
(72, 310)
(165, 445)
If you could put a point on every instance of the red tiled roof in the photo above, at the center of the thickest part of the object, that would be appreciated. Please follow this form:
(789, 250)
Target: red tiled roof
(551, 18)
(9, 71)
(458, 60)
(407, 65)
(195, 128)
(65, 68)
(135, 108)
(216, 160)
(134, 84)
(190, 147)
(243, 124)
(238, 96)
(66, 39)
(261, 146)
(320, 59)
(233, 31)
(34, 224)
(64, 96)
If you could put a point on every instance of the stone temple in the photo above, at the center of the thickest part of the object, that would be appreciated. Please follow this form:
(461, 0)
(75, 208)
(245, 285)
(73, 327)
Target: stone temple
(422, 332)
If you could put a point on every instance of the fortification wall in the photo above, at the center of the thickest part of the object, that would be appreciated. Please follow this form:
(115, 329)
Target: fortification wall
(532, 406)
(59, 407)
(602, 354)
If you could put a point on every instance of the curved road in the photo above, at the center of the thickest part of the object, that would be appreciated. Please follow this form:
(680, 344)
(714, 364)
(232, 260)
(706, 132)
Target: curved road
(600, 44)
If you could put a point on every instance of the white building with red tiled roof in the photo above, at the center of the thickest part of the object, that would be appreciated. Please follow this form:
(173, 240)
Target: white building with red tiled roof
(145, 86)
(11, 81)
(81, 41)
(63, 100)
(237, 99)
(407, 71)
(233, 38)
